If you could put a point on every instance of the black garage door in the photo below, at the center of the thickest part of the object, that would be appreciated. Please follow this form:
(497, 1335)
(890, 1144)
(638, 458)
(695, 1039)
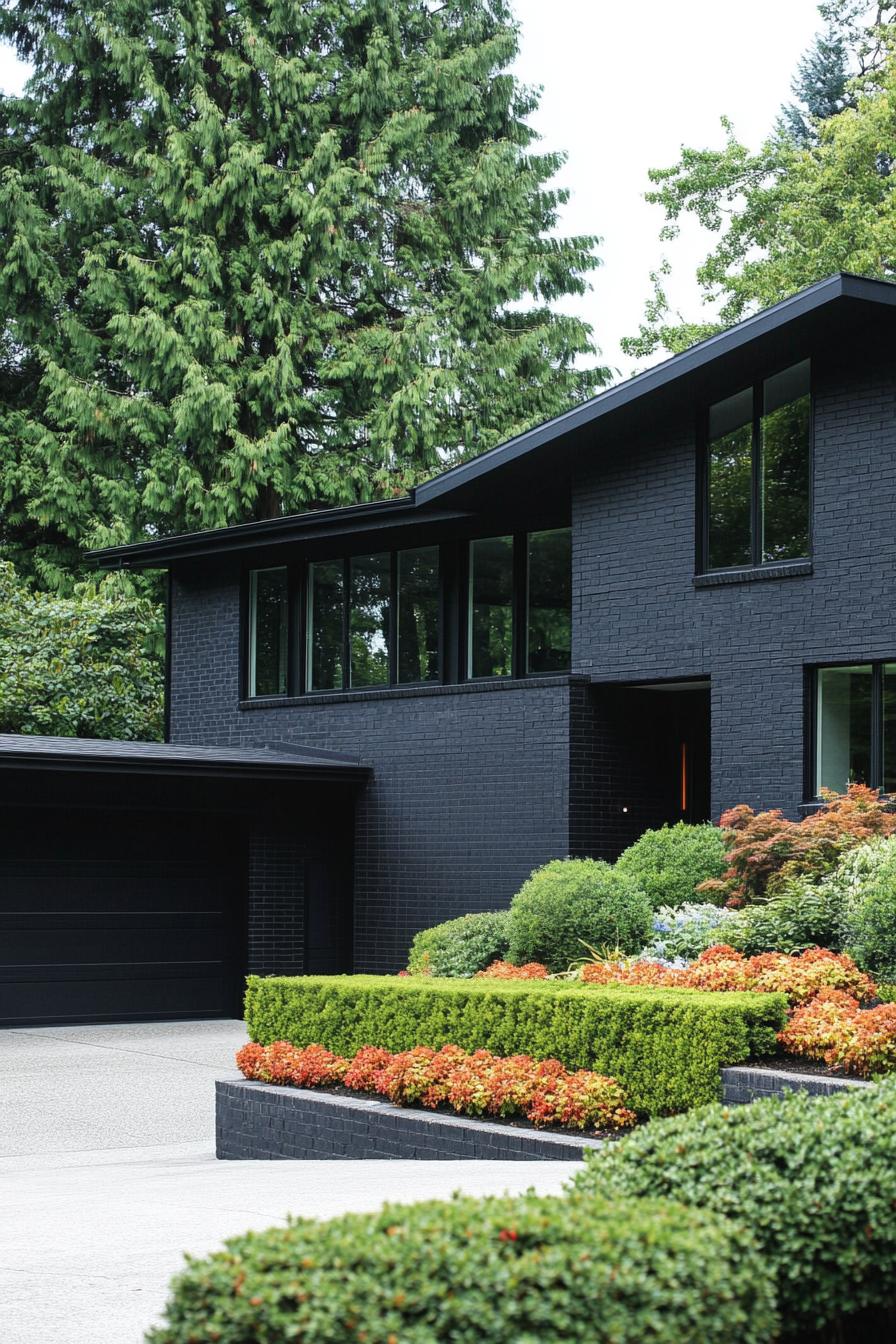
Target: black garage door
(133, 918)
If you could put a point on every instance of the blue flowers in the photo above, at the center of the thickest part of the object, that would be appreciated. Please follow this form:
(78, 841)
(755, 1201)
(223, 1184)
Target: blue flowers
(682, 934)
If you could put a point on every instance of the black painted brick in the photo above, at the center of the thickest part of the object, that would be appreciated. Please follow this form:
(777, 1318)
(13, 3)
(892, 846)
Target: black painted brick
(744, 1083)
(256, 1120)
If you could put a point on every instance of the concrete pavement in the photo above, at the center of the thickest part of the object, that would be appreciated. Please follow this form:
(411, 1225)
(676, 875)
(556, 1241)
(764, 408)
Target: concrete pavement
(108, 1175)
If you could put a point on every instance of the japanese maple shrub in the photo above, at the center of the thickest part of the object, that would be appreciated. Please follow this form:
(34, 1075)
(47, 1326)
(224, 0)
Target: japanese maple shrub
(765, 849)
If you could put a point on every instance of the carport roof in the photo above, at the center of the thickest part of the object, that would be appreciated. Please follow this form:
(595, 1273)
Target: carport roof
(170, 758)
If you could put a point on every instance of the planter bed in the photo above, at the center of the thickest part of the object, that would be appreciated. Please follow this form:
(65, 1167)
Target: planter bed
(264, 1121)
(744, 1083)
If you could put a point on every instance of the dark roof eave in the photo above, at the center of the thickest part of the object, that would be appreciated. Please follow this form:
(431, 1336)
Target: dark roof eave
(274, 531)
(690, 361)
(300, 772)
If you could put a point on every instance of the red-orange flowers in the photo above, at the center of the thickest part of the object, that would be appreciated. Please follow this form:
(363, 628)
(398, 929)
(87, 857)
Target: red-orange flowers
(542, 1091)
(503, 970)
(833, 1028)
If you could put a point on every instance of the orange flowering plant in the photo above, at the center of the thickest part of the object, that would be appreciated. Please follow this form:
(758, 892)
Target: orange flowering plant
(832, 1027)
(543, 1092)
(722, 968)
(503, 970)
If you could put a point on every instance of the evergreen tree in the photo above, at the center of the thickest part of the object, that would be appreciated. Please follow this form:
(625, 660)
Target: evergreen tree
(257, 255)
(819, 86)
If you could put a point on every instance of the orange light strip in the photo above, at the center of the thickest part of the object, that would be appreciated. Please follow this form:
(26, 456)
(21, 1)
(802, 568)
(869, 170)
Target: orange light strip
(684, 776)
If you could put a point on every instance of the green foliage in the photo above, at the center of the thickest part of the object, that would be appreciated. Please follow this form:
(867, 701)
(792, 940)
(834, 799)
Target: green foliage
(572, 902)
(668, 863)
(664, 1046)
(788, 214)
(689, 929)
(260, 255)
(461, 946)
(813, 1179)
(804, 913)
(84, 666)
(871, 920)
(502, 1270)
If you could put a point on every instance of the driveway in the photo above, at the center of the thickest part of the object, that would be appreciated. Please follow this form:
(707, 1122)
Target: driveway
(108, 1175)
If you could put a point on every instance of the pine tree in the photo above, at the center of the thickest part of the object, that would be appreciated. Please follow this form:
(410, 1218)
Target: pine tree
(257, 255)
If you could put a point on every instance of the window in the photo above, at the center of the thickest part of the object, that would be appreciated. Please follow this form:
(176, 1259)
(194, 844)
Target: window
(855, 726)
(417, 625)
(325, 638)
(519, 610)
(758, 466)
(268, 640)
(490, 614)
(549, 601)
(370, 594)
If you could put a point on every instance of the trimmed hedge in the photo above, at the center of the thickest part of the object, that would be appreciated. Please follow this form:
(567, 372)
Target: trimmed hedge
(814, 1180)
(498, 1270)
(462, 946)
(665, 1046)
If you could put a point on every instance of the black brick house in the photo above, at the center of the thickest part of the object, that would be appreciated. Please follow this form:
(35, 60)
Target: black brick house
(676, 597)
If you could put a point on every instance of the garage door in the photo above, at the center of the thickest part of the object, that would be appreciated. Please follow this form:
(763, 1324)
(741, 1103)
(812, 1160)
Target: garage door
(111, 918)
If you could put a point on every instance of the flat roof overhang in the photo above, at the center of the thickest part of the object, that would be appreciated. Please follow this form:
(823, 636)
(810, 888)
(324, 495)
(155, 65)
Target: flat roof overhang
(74, 755)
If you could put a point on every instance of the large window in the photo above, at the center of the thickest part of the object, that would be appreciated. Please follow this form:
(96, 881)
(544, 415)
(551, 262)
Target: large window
(490, 608)
(370, 599)
(418, 618)
(325, 628)
(268, 638)
(549, 601)
(519, 604)
(855, 726)
(758, 469)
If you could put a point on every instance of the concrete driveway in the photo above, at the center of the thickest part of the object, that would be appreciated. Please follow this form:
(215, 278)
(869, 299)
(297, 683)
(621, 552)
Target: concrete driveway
(108, 1175)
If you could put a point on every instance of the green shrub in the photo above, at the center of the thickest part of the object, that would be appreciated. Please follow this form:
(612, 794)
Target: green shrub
(461, 946)
(814, 1180)
(667, 864)
(572, 902)
(498, 1270)
(806, 913)
(665, 1046)
(871, 920)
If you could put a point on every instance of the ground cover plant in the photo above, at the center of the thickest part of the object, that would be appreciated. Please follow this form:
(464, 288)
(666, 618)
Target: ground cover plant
(833, 1028)
(813, 1179)
(495, 1271)
(571, 903)
(481, 1084)
(668, 864)
(665, 1046)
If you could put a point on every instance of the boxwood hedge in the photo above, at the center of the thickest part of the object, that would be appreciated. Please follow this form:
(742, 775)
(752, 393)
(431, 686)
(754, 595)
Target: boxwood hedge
(665, 1046)
(814, 1180)
(499, 1271)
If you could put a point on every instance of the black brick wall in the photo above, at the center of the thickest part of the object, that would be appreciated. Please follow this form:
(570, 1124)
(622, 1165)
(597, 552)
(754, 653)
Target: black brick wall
(276, 913)
(256, 1120)
(470, 785)
(639, 615)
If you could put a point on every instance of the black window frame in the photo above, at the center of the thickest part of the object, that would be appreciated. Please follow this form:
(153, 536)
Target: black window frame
(876, 746)
(298, 613)
(519, 655)
(756, 562)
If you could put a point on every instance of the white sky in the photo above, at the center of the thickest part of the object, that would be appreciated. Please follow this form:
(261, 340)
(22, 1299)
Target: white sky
(625, 85)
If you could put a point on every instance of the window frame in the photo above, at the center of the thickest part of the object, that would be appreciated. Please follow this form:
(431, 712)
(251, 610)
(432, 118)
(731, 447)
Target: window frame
(298, 613)
(756, 562)
(519, 651)
(248, 605)
(811, 725)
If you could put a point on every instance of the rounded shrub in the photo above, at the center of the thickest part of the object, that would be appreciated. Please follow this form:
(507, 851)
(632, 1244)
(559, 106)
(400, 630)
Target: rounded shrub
(871, 920)
(462, 946)
(670, 862)
(813, 1179)
(570, 905)
(498, 1270)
